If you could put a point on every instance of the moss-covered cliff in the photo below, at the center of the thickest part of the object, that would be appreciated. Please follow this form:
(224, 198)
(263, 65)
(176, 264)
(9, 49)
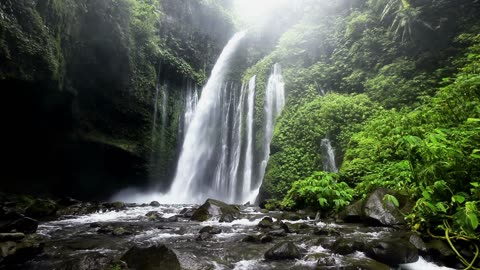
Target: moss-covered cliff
(78, 82)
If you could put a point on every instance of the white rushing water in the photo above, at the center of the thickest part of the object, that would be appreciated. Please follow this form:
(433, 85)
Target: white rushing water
(191, 183)
(328, 154)
(248, 169)
(274, 103)
(191, 101)
(218, 157)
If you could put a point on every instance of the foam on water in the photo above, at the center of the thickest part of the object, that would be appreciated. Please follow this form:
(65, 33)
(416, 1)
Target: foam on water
(422, 264)
(246, 265)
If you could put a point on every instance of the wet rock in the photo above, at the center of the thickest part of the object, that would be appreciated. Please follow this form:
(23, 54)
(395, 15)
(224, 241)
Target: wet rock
(265, 223)
(95, 225)
(417, 241)
(277, 233)
(344, 246)
(279, 225)
(120, 231)
(15, 237)
(210, 230)
(440, 252)
(42, 208)
(80, 209)
(188, 212)
(155, 204)
(154, 215)
(24, 225)
(171, 219)
(363, 264)
(105, 229)
(290, 216)
(353, 213)
(392, 251)
(20, 252)
(266, 238)
(283, 251)
(326, 232)
(115, 206)
(326, 262)
(204, 236)
(378, 211)
(157, 257)
(251, 239)
(214, 209)
(93, 261)
(68, 201)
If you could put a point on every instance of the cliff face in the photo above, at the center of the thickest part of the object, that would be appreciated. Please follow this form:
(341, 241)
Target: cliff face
(78, 82)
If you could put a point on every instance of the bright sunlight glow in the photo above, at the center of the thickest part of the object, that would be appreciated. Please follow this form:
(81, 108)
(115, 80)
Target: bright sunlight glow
(252, 12)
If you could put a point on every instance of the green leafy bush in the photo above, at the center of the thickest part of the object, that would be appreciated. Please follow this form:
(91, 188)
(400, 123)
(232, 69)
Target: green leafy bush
(319, 191)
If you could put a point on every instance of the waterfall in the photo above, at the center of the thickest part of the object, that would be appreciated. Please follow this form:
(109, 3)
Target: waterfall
(328, 156)
(191, 101)
(155, 112)
(195, 175)
(236, 153)
(248, 168)
(274, 102)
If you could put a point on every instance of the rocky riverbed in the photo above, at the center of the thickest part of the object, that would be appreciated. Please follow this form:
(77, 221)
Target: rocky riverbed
(213, 236)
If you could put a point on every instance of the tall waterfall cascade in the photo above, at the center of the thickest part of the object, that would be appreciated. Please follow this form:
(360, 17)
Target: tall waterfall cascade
(219, 157)
(205, 143)
(328, 154)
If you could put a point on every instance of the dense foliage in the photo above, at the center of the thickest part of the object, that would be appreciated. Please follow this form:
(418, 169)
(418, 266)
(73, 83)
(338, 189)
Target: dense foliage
(412, 124)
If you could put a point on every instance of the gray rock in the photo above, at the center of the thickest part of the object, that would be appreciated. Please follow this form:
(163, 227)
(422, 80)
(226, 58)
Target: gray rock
(4, 237)
(42, 208)
(265, 223)
(283, 251)
(155, 204)
(210, 230)
(157, 257)
(378, 211)
(214, 209)
(392, 251)
(24, 225)
(344, 246)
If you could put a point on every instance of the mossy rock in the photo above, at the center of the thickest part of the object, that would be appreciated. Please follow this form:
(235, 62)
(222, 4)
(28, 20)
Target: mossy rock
(216, 210)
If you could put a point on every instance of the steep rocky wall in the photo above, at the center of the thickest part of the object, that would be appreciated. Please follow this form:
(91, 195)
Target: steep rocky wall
(77, 82)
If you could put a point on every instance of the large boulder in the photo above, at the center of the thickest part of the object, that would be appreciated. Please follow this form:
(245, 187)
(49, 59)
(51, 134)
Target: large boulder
(392, 251)
(23, 225)
(344, 246)
(353, 213)
(283, 251)
(92, 261)
(20, 251)
(42, 208)
(216, 210)
(157, 257)
(383, 212)
(375, 210)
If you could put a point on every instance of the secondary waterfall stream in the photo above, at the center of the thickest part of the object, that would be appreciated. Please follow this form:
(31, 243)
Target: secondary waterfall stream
(328, 154)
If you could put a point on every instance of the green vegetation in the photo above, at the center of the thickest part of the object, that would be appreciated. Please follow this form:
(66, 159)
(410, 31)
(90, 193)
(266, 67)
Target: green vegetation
(402, 110)
(321, 190)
